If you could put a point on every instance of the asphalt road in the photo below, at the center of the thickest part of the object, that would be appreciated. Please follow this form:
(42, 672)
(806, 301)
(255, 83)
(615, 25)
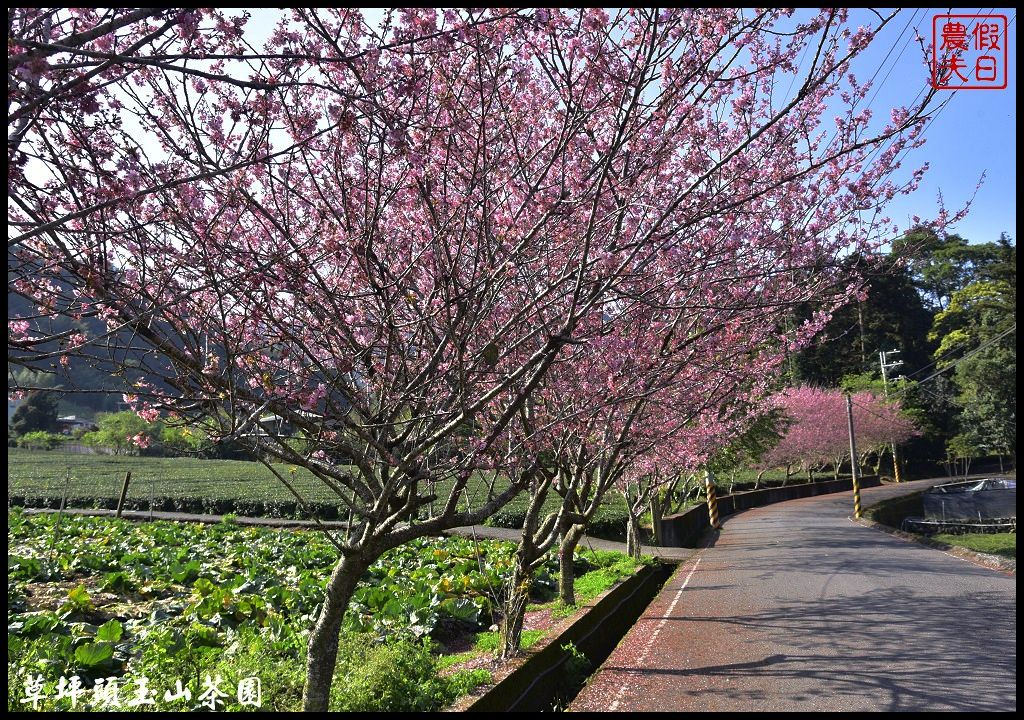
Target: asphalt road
(796, 607)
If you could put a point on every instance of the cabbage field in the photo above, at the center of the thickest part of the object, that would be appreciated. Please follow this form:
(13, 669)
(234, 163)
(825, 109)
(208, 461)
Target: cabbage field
(106, 614)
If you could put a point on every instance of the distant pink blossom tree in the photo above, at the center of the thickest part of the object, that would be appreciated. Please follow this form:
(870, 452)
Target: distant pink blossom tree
(814, 436)
(818, 433)
(879, 424)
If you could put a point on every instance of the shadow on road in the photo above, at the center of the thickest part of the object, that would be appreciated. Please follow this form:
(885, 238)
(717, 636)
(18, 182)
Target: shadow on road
(853, 647)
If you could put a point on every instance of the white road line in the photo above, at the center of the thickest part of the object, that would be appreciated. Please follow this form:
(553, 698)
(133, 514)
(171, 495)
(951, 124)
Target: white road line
(654, 635)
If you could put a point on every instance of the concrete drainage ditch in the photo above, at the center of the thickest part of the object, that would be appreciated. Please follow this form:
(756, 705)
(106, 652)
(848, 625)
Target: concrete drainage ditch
(552, 677)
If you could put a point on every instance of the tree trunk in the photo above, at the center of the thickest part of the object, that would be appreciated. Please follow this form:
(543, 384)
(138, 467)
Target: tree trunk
(657, 513)
(517, 594)
(632, 535)
(516, 590)
(566, 574)
(757, 481)
(323, 640)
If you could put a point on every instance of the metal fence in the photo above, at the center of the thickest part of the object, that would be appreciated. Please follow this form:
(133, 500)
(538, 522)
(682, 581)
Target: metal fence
(72, 487)
(975, 500)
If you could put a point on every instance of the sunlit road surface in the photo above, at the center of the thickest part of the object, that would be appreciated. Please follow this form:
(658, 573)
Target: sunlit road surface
(796, 607)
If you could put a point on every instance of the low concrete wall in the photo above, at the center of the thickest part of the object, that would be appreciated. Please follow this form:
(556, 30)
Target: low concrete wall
(535, 684)
(686, 528)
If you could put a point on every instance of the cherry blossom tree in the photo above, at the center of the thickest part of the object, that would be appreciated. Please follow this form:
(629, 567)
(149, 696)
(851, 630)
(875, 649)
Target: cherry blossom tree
(818, 433)
(637, 385)
(388, 237)
(638, 401)
(879, 424)
(815, 434)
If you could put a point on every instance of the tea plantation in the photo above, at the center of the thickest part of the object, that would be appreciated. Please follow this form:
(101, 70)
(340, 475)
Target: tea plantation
(36, 478)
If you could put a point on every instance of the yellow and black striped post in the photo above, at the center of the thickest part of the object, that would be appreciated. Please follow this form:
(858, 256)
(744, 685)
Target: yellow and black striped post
(856, 497)
(853, 458)
(709, 486)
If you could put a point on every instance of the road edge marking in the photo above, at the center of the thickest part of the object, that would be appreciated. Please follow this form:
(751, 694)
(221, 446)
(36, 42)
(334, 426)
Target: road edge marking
(657, 630)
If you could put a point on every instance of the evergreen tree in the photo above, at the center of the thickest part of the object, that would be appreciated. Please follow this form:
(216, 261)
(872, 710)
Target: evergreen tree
(37, 412)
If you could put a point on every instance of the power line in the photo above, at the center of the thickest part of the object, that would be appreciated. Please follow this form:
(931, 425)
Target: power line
(913, 17)
(936, 374)
(868, 410)
(941, 106)
(975, 351)
(920, 370)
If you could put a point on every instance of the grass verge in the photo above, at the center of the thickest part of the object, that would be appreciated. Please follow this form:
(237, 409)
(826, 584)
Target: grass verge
(1001, 544)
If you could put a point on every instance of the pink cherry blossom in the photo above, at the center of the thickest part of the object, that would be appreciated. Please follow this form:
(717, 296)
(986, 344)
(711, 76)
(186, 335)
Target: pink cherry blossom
(542, 245)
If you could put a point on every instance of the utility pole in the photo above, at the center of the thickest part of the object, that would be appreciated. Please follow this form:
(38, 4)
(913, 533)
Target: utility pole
(853, 458)
(886, 365)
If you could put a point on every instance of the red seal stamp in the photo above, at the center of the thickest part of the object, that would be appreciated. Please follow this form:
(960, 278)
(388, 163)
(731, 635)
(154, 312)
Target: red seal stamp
(969, 52)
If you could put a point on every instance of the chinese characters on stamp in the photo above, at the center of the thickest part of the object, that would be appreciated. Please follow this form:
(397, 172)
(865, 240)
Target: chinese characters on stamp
(969, 52)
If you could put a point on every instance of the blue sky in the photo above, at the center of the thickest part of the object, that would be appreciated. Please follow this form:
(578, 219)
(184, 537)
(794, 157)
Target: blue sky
(975, 133)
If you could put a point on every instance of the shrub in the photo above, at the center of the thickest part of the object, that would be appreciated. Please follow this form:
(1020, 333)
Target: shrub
(40, 440)
(37, 413)
(394, 677)
(117, 431)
